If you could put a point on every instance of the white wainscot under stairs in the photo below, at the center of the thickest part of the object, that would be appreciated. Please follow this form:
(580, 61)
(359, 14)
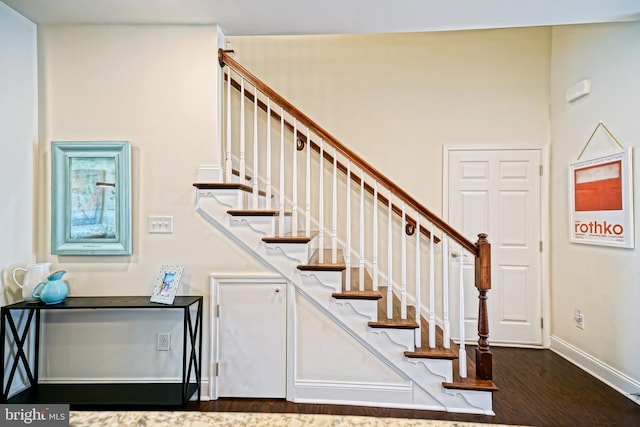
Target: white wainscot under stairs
(419, 381)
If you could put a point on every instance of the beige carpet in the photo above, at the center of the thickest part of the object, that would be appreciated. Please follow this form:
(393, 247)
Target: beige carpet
(232, 419)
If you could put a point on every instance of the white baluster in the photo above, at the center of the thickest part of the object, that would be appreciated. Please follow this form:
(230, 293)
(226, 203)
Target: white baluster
(445, 292)
(243, 166)
(361, 265)
(462, 355)
(403, 270)
(347, 257)
(432, 290)
(390, 262)
(282, 191)
(418, 331)
(334, 213)
(307, 204)
(255, 173)
(294, 199)
(228, 164)
(321, 204)
(268, 172)
(375, 236)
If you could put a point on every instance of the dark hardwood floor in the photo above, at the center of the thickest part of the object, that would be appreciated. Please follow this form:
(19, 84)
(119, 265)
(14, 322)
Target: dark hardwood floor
(536, 388)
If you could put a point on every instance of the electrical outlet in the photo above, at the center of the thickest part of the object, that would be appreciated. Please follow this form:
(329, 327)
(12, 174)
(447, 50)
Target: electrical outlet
(579, 318)
(164, 342)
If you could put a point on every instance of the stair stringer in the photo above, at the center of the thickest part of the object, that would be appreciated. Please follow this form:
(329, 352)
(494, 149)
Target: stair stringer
(427, 374)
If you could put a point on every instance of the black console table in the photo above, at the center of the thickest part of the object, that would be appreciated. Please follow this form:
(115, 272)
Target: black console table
(99, 394)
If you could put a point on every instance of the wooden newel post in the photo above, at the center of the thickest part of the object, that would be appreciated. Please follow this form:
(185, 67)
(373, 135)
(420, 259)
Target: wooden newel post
(484, 363)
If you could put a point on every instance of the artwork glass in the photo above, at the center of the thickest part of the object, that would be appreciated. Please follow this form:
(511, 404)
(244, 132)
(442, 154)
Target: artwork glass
(91, 198)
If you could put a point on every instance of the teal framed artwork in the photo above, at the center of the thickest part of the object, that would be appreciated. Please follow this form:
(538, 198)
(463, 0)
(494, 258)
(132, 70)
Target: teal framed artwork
(91, 198)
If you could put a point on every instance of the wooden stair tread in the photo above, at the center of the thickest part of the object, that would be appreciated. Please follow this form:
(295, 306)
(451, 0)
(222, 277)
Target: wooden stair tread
(431, 353)
(222, 186)
(396, 321)
(226, 186)
(439, 352)
(354, 291)
(471, 382)
(314, 262)
(255, 212)
(288, 238)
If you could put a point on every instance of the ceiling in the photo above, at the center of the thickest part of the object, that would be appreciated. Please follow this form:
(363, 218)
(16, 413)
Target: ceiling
(253, 17)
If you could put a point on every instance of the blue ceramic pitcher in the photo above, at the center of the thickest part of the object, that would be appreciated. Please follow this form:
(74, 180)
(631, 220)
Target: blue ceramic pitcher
(53, 291)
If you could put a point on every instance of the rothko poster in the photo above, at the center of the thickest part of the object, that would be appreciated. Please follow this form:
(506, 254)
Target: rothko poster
(601, 196)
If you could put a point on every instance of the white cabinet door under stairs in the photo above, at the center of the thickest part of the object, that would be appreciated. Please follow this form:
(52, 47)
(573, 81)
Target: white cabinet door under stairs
(252, 340)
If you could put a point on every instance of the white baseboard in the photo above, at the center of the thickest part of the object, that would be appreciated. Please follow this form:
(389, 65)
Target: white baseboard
(622, 383)
(204, 391)
(353, 393)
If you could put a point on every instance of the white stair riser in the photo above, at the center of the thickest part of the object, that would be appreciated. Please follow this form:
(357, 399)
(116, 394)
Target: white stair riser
(296, 251)
(232, 199)
(368, 308)
(403, 337)
(331, 279)
(265, 225)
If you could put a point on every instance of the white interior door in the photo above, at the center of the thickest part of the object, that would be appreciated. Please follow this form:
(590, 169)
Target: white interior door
(252, 340)
(498, 192)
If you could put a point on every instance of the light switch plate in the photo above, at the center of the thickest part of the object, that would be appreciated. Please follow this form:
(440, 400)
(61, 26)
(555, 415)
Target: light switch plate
(160, 224)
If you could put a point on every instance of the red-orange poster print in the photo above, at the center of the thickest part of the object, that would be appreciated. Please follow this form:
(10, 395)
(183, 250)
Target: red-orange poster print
(602, 201)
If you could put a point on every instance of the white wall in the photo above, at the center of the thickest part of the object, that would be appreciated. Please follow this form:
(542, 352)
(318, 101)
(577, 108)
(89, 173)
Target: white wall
(603, 282)
(156, 87)
(396, 99)
(18, 139)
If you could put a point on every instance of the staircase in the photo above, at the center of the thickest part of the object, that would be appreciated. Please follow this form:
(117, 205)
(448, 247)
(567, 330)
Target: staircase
(390, 289)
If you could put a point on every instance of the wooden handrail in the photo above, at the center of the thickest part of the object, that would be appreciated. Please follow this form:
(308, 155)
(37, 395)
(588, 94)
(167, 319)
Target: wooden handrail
(225, 59)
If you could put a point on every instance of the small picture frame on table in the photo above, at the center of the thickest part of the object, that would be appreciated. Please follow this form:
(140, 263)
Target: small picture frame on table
(164, 290)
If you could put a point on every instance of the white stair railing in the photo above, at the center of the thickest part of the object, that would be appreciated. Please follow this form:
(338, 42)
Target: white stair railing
(375, 236)
(281, 190)
(334, 210)
(446, 337)
(432, 290)
(404, 214)
(403, 265)
(390, 259)
(307, 192)
(268, 188)
(462, 366)
(361, 221)
(347, 252)
(256, 172)
(228, 161)
(294, 181)
(321, 173)
(243, 142)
